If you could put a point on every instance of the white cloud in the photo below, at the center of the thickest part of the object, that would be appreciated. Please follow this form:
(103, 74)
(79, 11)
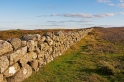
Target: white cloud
(121, 1)
(104, 15)
(121, 5)
(103, 1)
(111, 4)
(54, 15)
(122, 13)
(78, 15)
(42, 16)
(82, 15)
(80, 21)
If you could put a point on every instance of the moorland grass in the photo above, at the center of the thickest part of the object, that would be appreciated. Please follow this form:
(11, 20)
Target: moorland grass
(92, 59)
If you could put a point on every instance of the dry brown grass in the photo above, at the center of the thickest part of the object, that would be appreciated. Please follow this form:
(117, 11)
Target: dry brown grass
(18, 33)
(114, 35)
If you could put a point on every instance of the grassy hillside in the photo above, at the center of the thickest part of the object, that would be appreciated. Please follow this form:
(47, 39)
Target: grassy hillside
(18, 33)
(99, 57)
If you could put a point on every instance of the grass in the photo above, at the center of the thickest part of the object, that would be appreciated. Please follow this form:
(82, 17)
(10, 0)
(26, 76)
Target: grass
(90, 60)
(18, 33)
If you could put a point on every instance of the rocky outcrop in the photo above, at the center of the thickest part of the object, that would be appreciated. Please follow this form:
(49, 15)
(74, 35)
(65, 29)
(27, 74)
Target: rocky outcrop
(20, 56)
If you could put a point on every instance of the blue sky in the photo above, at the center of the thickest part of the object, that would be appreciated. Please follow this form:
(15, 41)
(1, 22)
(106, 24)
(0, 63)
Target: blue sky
(50, 14)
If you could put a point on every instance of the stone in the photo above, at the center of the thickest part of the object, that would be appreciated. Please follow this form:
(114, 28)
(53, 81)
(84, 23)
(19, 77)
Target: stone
(49, 59)
(15, 42)
(1, 77)
(56, 38)
(41, 54)
(41, 46)
(48, 34)
(31, 56)
(28, 57)
(34, 65)
(41, 62)
(11, 70)
(37, 50)
(24, 60)
(38, 36)
(49, 40)
(46, 46)
(43, 38)
(5, 47)
(60, 33)
(31, 45)
(23, 73)
(50, 50)
(34, 37)
(16, 55)
(4, 63)
(23, 43)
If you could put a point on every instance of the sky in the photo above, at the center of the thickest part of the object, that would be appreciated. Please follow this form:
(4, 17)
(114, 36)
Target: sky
(67, 14)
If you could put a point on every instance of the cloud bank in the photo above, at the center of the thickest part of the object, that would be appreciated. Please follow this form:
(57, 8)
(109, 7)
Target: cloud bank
(82, 15)
(103, 1)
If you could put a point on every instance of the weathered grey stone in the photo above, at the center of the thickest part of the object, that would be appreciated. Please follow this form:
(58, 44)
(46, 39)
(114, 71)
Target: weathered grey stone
(31, 45)
(60, 33)
(11, 70)
(46, 46)
(41, 46)
(24, 60)
(43, 38)
(56, 38)
(34, 65)
(38, 36)
(37, 50)
(31, 56)
(28, 57)
(48, 34)
(41, 62)
(49, 40)
(49, 59)
(5, 47)
(31, 37)
(23, 43)
(23, 73)
(16, 55)
(4, 63)
(1, 77)
(50, 49)
(41, 54)
(46, 55)
(15, 42)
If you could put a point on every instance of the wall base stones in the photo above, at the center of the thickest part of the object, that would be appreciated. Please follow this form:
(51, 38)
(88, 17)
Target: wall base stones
(20, 56)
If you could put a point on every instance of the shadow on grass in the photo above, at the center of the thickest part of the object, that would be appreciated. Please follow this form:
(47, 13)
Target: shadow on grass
(99, 71)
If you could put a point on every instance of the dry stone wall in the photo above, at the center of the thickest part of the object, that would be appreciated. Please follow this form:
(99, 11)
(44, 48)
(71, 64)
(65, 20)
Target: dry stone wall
(20, 56)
